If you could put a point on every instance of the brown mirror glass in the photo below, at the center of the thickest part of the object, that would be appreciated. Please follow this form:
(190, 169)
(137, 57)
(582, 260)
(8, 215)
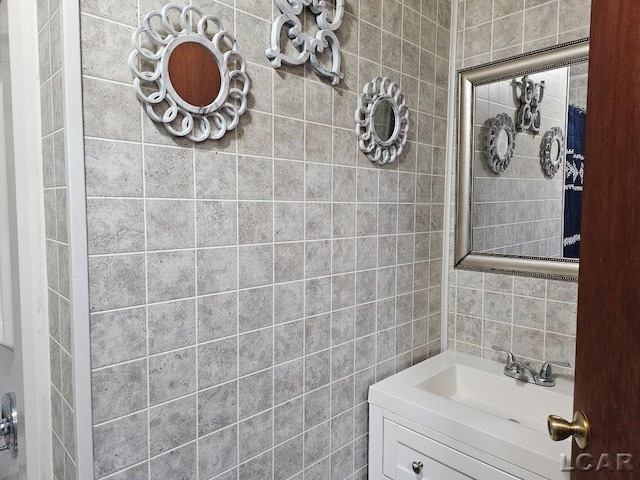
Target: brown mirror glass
(194, 74)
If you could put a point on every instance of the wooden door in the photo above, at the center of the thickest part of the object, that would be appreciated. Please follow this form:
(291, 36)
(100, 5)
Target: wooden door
(608, 336)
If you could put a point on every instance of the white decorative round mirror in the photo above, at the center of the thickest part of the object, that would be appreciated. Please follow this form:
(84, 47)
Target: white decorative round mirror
(382, 121)
(500, 143)
(189, 73)
(552, 151)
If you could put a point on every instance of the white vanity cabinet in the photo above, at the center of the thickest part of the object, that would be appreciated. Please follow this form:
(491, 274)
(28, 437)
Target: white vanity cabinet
(402, 450)
(456, 417)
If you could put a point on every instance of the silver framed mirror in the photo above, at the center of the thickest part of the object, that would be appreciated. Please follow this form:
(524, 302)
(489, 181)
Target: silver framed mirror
(479, 200)
(552, 151)
(382, 121)
(500, 143)
(188, 73)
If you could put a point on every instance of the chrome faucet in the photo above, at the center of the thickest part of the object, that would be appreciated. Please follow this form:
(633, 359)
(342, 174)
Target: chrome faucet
(524, 372)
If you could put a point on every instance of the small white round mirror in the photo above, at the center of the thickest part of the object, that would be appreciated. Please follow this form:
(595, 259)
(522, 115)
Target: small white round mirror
(382, 121)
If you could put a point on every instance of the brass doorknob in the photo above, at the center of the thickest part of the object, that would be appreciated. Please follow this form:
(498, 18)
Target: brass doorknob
(559, 428)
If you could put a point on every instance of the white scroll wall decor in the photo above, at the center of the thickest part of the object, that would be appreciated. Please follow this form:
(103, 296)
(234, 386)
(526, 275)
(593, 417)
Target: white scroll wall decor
(188, 73)
(308, 47)
(382, 121)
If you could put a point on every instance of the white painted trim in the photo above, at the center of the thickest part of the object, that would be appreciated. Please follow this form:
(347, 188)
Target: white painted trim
(33, 333)
(74, 141)
(6, 275)
(449, 169)
(376, 447)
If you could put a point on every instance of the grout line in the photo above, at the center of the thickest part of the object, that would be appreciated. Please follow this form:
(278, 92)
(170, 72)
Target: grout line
(331, 288)
(304, 289)
(237, 333)
(355, 244)
(493, 25)
(273, 272)
(109, 20)
(544, 335)
(146, 308)
(196, 311)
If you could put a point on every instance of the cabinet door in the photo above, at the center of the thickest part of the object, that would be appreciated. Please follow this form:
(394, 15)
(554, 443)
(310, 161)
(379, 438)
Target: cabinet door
(403, 447)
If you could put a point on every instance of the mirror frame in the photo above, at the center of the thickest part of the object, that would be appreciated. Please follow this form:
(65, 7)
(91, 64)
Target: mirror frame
(464, 257)
(376, 150)
(152, 83)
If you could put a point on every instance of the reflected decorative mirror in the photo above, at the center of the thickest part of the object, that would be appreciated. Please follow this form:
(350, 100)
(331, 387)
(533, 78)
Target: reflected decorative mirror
(189, 73)
(382, 121)
(552, 151)
(525, 220)
(500, 143)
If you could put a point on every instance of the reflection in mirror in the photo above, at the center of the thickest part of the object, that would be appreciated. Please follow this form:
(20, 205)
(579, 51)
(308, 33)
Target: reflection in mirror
(555, 151)
(520, 212)
(574, 165)
(499, 137)
(384, 120)
(194, 74)
(552, 151)
(522, 219)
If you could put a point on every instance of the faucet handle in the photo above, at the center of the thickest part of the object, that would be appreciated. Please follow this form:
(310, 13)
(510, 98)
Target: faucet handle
(510, 358)
(546, 373)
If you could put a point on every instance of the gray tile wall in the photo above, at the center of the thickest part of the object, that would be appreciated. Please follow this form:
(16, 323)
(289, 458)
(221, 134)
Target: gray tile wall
(245, 293)
(57, 241)
(534, 318)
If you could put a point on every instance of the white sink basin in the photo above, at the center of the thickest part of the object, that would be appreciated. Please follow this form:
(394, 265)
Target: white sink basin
(500, 396)
(472, 402)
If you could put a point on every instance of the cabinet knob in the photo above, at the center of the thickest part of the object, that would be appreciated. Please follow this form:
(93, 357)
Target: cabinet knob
(417, 467)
